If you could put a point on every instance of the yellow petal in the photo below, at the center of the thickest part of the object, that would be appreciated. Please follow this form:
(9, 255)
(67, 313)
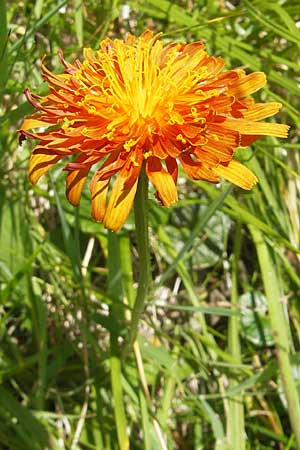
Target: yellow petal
(197, 171)
(247, 84)
(260, 111)
(98, 190)
(120, 203)
(244, 126)
(237, 174)
(162, 181)
(40, 164)
(29, 123)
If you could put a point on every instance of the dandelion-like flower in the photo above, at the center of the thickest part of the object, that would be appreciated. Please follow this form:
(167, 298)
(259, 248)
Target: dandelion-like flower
(138, 103)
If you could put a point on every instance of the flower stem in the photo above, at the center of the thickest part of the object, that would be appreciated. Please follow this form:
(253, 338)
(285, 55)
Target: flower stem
(142, 237)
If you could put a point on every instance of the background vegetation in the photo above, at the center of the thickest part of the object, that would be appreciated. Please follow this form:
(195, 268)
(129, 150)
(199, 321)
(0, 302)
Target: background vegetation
(219, 341)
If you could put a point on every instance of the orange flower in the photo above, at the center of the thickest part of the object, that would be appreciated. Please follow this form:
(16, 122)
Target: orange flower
(138, 102)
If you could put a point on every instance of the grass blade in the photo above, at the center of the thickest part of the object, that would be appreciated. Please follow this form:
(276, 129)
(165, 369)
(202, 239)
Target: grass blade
(236, 421)
(279, 327)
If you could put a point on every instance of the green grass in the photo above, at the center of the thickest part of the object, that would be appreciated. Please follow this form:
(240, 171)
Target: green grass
(206, 371)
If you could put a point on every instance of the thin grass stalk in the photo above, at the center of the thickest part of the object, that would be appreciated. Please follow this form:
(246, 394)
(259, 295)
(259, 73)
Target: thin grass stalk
(236, 420)
(116, 311)
(79, 21)
(145, 421)
(3, 44)
(142, 237)
(279, 328)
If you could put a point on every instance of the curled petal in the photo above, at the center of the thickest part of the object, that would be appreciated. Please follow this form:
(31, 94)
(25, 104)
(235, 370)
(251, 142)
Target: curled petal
(162, 181)
(120, 202)
(98, 190)
(75, 182)
(30, 98)
(40, 164)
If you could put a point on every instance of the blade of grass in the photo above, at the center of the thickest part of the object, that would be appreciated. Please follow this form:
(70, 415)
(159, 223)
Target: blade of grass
(279, 327)
(236, 421)
(79, 21)
(145, 421)
(116, 311)
(216, 424)
(3, 44)
(39, 321)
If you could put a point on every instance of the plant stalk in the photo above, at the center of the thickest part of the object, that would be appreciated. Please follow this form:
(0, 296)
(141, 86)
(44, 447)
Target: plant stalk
(142, 237)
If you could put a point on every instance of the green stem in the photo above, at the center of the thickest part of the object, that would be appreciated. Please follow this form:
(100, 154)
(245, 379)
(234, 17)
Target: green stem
(236, 424)
(141, 229)
(279, 327)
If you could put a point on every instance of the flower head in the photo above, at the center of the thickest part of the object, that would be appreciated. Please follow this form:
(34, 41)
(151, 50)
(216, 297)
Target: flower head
(137, 102)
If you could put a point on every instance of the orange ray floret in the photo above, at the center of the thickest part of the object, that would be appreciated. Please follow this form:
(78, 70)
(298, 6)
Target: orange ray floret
(137, 102)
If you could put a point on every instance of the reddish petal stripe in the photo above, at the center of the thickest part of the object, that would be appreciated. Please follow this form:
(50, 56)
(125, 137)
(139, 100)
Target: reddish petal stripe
(172, 168)
(246, 140)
